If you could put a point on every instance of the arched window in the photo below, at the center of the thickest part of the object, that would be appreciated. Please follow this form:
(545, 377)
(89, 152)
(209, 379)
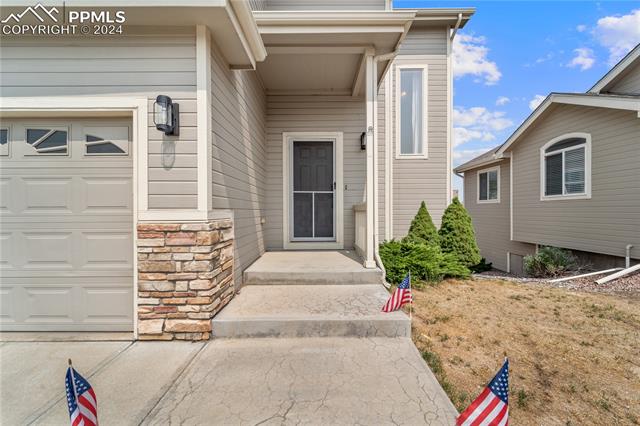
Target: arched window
(566, 167)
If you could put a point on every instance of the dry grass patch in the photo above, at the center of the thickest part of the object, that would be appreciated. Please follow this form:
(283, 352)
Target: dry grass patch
(575, 357)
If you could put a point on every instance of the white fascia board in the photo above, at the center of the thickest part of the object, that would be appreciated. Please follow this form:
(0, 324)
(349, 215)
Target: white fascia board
(250, 28)
(598, 101)
(618, 69)
(491, 160)
(304, 18)
(120, 3)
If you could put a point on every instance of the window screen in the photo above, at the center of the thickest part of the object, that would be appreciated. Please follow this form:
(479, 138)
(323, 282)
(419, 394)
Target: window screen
(488, 185)
(553, 174)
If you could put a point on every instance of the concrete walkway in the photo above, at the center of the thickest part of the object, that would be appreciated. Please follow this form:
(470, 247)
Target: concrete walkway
(329, 380)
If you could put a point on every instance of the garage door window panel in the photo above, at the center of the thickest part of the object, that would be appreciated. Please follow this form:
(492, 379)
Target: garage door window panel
(4, 142)
(48, 141)
(107, 141)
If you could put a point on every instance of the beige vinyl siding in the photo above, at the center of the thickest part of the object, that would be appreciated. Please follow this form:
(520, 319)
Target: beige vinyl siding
(415, 180)
(423, 40)
(145, 62)
(320, 4)
(239, 154)
(314, 114)
(491, 220)
(608, 221)
(629, 83)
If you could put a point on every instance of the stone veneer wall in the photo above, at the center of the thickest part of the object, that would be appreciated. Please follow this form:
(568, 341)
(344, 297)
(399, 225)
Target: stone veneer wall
(185, 277)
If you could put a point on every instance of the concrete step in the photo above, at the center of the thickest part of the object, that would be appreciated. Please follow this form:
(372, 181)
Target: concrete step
(310, 268)
(310, 311)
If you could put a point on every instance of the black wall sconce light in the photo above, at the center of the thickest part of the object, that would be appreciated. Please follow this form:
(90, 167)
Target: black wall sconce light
(363, 141)
(166, 115)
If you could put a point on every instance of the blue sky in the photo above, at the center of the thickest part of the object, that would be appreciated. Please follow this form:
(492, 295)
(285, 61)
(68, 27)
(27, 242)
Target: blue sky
(512, 54)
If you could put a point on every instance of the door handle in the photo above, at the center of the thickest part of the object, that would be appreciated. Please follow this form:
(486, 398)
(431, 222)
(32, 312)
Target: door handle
(334, 186)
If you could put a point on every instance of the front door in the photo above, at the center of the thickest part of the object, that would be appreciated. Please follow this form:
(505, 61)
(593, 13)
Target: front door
(313, 191)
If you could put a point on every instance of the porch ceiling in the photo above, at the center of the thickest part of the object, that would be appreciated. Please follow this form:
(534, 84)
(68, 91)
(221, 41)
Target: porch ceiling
(323, 53)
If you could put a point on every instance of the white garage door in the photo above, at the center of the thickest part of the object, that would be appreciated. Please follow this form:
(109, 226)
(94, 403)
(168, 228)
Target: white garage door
(66, 221)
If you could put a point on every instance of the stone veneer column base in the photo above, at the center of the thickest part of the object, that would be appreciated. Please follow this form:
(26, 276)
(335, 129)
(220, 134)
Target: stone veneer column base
(185, 277)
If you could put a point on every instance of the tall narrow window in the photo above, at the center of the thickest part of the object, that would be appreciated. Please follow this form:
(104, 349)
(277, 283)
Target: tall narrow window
(411, 110)
(489, 185)
(565, 167)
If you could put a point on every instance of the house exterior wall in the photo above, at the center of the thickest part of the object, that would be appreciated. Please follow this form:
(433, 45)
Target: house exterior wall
(415, 180)
(239, 166)
(145, 62)
(314, 114)
(491, 221)
(629, 83)
(608, 221)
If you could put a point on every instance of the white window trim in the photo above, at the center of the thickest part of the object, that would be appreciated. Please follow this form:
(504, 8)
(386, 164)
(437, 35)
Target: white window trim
(425, 127)
(587, 167)
(479, 172)
(287, 140)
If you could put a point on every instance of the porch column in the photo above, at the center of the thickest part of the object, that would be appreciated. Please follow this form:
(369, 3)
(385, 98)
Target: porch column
(371, 77)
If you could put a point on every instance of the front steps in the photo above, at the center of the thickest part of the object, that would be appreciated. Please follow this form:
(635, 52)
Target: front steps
(310, 311)
(310, 268)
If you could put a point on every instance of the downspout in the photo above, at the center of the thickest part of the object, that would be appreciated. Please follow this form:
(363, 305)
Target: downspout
(376, 218)
(627, 260)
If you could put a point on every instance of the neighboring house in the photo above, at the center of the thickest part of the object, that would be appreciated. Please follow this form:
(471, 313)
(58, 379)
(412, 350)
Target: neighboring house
(302, 125)
(568, 177)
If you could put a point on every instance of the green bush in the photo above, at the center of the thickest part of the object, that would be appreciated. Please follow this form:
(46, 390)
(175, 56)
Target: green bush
(457, 236)
(424, 262)
(422, 229)
(549, 262)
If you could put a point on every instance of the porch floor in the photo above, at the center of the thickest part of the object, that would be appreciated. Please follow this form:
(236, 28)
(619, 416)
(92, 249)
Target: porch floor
(310, 267)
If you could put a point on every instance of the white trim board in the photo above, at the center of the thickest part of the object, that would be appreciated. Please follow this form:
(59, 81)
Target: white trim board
(287, 139)
(618, 69)
(204, 117)
(598, 101)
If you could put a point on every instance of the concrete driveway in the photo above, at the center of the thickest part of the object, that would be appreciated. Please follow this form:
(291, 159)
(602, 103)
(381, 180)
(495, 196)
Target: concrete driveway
(249, 381)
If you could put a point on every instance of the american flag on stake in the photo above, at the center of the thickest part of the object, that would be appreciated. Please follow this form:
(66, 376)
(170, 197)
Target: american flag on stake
(491, 408)
(81, 399)
(401, 296)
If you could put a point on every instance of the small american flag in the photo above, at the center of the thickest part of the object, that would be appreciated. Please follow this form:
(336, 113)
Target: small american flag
(81, 399)
(491, 408)
(399, 297)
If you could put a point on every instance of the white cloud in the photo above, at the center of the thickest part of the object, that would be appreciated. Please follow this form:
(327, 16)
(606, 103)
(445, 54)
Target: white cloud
(470, 58)
(502, 100)
(581, 28)
(583, 58)
(545, 58)
(537, 100)
(477, 123)
(619, 34)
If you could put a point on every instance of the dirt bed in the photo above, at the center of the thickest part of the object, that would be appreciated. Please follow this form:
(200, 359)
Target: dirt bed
(575, 356)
